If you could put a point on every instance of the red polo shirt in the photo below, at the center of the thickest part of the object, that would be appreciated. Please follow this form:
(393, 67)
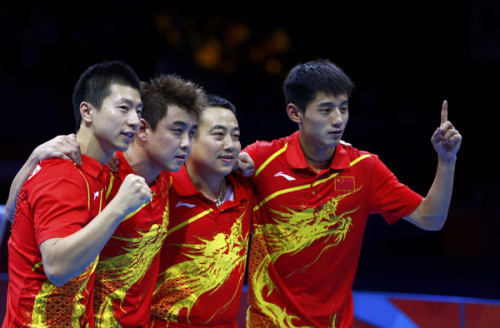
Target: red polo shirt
(58, 199)
(128, 264)
(309, 231)
(204, 256)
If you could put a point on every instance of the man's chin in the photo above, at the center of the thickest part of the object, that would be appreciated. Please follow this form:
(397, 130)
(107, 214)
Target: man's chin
(333, 144)
(122, 146)
(174, 167)
(226, 171)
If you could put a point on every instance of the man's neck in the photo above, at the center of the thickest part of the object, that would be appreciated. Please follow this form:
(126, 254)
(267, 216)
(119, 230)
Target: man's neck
(90, 146)
(317, 158)
(208, 184)
(141, 164)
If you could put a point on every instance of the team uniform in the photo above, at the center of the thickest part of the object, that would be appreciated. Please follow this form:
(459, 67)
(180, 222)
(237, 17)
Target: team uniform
(58, 199)
(203, 260)
(128, 264)
(308, 234)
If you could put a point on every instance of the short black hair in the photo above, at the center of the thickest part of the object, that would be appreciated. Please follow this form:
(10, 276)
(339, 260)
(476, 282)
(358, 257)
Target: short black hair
(305, 80)
(94, 84)
(219, 101)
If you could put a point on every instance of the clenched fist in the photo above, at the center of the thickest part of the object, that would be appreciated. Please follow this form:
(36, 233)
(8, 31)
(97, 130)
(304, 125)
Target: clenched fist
(133, 193)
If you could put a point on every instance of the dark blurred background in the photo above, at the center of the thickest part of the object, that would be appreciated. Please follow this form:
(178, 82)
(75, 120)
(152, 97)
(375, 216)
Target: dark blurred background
(405, 59)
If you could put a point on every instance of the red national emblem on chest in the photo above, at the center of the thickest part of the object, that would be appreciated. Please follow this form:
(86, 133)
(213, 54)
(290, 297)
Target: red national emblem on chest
(344, 184)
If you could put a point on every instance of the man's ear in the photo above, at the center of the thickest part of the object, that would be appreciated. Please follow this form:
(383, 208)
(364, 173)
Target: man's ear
(85, 109)
(294, 113)
(143, 131)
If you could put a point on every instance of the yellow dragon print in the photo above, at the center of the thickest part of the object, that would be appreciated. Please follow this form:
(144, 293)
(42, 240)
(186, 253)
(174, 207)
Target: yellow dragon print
(211, 263)
(126, 269)
(291, 232)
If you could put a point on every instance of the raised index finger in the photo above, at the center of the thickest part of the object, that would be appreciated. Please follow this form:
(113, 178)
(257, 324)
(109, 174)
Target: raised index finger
(444, 112)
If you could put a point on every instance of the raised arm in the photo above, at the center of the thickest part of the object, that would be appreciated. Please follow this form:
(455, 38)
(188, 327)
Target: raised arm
(66, 258)
(63, 146)
(431, 214)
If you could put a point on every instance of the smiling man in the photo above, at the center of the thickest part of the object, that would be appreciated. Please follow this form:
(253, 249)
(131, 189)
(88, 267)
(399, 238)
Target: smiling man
(61, 221)
(128, 264)
(203, 258)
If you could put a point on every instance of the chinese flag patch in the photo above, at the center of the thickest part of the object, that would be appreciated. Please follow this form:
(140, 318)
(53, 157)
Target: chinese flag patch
(344, 183)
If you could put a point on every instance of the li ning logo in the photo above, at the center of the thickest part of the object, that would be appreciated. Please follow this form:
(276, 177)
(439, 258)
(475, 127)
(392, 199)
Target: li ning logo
(286, 176)
(35, 171)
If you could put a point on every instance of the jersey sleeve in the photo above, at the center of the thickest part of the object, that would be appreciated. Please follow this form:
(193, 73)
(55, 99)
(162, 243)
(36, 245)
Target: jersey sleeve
(60, 206)
(252, 150)
(261, 151)
(389, 197)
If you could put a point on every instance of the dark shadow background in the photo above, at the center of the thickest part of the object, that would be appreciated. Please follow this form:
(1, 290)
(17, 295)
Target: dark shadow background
(405, 59)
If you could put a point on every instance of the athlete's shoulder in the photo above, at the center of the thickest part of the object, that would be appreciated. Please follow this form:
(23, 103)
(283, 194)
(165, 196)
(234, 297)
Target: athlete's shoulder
(54, 175)
(53, 168)
(266, 146)
(356, 153)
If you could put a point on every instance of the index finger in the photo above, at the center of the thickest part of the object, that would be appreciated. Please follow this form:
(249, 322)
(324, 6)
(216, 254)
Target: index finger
(444, 112)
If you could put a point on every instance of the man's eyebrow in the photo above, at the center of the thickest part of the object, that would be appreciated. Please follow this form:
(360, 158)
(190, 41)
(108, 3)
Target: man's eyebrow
(129, 102)
(222, 127)
(218, 126)
(182, 123)
(331, 103)
(126, 100)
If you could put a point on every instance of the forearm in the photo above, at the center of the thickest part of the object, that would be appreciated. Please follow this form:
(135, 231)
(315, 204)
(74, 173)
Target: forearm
(66, 258)
(17, 183)
(431, 214)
